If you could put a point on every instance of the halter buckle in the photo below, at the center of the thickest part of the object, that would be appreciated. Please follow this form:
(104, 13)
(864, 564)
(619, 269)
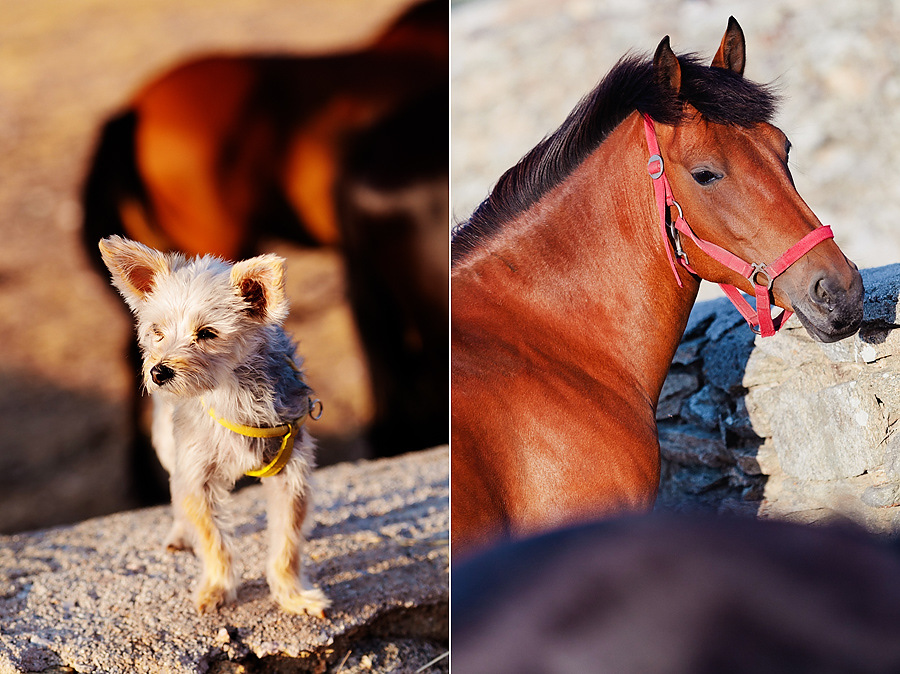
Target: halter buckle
(655, 159)
(759, 268)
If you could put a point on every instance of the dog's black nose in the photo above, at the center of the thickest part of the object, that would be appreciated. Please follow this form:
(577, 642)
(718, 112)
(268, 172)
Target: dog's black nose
(161, 374)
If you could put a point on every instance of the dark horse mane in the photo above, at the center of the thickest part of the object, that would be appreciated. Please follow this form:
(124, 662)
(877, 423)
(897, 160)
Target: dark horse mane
(720, 95)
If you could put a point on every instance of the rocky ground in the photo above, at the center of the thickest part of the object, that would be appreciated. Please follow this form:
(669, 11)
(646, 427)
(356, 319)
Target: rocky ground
(104, 596)
(64, 68)
(519, 66)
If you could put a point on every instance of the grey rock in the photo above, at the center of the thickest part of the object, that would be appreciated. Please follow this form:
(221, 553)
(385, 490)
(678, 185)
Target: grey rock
(747, 460)
(842, 351)
(688, 352)
(762, 370)
(677, 387)
(738, 420)
(808, 428)
(693, 446)
(875, 344)
(882, 496)
(103, 595)
(892, 457)
(826, 434)
(714, 318)
(725, 358)
(791, 345)
(704, 315)
(706, 408)
(691, 488)
(882, 286)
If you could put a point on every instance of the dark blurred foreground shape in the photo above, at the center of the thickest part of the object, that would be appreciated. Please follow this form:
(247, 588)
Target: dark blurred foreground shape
(347, 150)
(674, 594)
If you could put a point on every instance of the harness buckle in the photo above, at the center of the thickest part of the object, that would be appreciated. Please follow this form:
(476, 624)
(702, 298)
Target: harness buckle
(759, 268)
(652, 170)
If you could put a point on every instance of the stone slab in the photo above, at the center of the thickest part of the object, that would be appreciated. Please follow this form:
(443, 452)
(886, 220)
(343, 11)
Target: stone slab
(103, 596)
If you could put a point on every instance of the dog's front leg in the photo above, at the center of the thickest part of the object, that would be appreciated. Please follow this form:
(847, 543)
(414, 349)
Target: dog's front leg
(288, 501)
(198, 505)
(179, 537)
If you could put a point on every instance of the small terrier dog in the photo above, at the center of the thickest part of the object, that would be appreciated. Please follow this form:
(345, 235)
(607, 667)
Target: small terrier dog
(226, 385)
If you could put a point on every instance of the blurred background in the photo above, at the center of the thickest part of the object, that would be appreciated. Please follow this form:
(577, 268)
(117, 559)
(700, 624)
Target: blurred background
(519, 66)
(66, 387)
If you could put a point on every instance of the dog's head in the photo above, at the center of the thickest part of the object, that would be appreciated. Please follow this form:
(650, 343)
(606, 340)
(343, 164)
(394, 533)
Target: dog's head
(198, 319)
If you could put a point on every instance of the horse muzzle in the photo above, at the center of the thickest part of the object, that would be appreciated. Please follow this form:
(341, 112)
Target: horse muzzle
(832, 308)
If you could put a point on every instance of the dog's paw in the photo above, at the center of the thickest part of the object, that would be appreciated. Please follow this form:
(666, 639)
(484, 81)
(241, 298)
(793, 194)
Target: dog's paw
(178, 540)
(210, 596)
(178, 545)
(311, 601)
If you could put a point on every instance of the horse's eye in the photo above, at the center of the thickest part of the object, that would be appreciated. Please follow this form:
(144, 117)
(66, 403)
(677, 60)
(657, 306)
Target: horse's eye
(206, 333)
(704, 177)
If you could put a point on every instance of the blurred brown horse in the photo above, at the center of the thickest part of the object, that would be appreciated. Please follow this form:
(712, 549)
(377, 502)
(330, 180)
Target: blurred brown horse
(565, 313)
(346, 150)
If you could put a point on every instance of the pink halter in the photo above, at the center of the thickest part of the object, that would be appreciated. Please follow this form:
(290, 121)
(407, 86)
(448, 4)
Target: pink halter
(760, 321)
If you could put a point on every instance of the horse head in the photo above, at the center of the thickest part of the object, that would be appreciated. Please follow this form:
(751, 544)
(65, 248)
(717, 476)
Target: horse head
(732, 183)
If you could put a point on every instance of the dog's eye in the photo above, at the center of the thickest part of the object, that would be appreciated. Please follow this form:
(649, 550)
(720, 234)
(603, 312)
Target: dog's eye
(157, 334)
(206, 333)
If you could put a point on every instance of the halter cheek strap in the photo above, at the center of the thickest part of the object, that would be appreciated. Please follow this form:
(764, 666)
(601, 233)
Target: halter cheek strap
(760, 320)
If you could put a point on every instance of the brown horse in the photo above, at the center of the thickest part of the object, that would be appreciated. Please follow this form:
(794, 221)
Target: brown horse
(347, 150)
(565, 313)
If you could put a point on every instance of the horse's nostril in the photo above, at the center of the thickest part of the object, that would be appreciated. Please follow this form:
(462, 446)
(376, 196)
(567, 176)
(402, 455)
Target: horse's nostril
(822, 294)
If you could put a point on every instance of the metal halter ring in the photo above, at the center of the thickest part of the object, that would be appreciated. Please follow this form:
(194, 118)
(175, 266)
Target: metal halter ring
(655, 174)
(675, 235)
(680, 212)
(312, 409)
(760, 269)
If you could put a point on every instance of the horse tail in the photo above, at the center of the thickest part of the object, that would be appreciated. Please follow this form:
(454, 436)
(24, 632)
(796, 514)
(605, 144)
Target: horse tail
(113, 184)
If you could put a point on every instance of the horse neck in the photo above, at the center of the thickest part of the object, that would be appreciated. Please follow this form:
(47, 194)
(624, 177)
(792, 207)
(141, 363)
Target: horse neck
(584, 274)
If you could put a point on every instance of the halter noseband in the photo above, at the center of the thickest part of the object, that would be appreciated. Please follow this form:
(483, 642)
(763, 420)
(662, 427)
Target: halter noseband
(760, 320)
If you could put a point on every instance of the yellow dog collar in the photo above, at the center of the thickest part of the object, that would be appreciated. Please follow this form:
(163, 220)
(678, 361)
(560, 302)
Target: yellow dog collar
(287, 433)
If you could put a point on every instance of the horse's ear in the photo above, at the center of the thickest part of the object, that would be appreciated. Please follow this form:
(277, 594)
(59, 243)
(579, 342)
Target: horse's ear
(666, 67)
(732, 53)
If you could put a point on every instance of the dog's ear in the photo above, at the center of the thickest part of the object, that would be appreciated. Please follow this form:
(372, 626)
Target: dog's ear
(134, 267)
(260, 281)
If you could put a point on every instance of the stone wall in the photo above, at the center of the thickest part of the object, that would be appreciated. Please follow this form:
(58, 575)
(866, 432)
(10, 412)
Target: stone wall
(785, 426)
